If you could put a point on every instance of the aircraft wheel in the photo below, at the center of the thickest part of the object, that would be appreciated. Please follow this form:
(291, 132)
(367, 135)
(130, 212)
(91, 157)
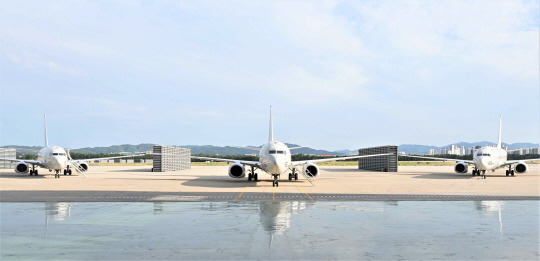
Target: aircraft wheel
(474, 172)
(69, 172)
(256, 176)
(290, 176)
(512, 173)
(250, 176)
(31, 172)
(35, 172)
(65, 172)
(296, 176)
(277, 183)
(273, 183)
(484, 176)
(507, 173)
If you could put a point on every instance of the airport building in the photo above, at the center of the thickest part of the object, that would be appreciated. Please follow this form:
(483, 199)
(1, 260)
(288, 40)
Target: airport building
(178, 158)
(7, 154)
(379, 163)
(525, 151)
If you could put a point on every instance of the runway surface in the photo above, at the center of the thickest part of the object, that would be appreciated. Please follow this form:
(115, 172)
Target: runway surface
(138, 183)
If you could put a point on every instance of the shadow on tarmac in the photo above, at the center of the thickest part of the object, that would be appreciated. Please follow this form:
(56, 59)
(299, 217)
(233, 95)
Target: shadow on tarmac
(22, 176)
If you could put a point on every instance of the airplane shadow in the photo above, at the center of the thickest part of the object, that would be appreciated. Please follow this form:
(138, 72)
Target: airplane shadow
(226, 182)
(347, 170)
(442, 176)
(20, 176)
(135, 170)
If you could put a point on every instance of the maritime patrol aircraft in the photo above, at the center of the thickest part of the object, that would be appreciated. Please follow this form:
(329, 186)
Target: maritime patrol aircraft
(275, 160)
(54, 158)
(488, 158)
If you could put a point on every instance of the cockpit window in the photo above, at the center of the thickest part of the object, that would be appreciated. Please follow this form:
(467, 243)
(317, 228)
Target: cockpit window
(272, 152)
(55, 154)
(280, 152)
(59, 154)
(483, 154)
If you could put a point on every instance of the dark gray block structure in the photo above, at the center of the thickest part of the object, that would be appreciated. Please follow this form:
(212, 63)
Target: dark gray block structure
(379, 163)
(7, 154)
(173, 158)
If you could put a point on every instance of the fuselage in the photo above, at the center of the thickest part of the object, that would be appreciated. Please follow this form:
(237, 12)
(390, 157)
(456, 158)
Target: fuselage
(53, 157)
(489, 158)
(275, 157)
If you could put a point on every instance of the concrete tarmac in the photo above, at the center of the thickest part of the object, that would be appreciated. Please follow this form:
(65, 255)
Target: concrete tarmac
(202, 183)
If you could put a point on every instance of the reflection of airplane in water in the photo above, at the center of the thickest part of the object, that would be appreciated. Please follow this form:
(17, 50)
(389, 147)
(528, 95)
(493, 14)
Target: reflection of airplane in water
(58, 211)
(486, 208)
(276, 216)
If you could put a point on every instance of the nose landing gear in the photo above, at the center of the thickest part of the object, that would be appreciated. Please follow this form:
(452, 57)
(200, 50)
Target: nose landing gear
(57, 174)
(275, 183)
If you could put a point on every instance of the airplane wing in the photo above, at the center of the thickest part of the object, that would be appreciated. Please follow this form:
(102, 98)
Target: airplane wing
(299, 147)
(117, 157)
(245, 162)
(441, 159)
(302, 162)
(35, 162)
(508, 162)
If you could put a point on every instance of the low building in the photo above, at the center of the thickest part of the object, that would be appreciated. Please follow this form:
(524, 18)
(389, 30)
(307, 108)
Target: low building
(379, 163)
(171, 158)
(7, 154)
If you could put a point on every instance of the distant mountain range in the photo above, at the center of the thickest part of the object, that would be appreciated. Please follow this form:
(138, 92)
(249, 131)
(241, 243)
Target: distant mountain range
(228, 150)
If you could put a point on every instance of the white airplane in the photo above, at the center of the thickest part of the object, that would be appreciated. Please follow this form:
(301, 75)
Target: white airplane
(54, 158)
(275, 160)
(488, 158)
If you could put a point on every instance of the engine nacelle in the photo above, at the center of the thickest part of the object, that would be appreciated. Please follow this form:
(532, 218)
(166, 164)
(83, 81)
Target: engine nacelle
(21, 167)
(311, 170)
(237, 171)
(461, 167)
(521, 167)
(83, 164)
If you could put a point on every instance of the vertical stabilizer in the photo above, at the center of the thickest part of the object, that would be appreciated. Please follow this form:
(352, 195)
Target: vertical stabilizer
(271, 134)
(499, 144)
(46, 139)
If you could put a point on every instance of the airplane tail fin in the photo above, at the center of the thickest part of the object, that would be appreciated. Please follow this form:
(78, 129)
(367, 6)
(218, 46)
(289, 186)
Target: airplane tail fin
(271, 134)
(499, 144)
(46, 139)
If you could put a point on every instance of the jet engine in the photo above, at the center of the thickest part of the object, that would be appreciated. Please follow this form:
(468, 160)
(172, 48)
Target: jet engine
(237, 171)
(521, 167)
(461, 167)
(83, 164)
(311, 170)
(21, 167)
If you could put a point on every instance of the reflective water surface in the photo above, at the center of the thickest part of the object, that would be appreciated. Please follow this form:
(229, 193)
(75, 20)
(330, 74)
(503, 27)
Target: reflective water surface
(271, 230)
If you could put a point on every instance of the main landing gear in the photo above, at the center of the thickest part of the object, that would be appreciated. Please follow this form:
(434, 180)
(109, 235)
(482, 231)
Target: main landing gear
(275, 183)
(509, 171)
(33, 171)
(67, 171)
(478, 172)
(252, 175)
(293, 175)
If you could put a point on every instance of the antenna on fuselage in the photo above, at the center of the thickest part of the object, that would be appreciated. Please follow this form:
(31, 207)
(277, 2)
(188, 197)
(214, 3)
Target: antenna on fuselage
(499, 144)
(271, 135)
(46, 139)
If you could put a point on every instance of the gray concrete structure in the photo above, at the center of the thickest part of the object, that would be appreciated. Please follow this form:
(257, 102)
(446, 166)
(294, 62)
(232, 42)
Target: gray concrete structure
(379, 163)
(177, 160)
(8, 154)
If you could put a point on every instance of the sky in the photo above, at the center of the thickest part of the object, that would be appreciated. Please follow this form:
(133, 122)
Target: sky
(339, 74)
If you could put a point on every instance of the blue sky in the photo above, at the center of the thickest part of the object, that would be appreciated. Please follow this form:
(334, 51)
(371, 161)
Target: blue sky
(338, 74)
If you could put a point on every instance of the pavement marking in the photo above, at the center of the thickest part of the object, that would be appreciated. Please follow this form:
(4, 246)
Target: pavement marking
(240, 194)
(273, 193)
(305, 193)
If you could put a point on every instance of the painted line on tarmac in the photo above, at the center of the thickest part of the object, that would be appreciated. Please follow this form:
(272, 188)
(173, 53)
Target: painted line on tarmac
(240, 194)
(273, 193)
(305, 193)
